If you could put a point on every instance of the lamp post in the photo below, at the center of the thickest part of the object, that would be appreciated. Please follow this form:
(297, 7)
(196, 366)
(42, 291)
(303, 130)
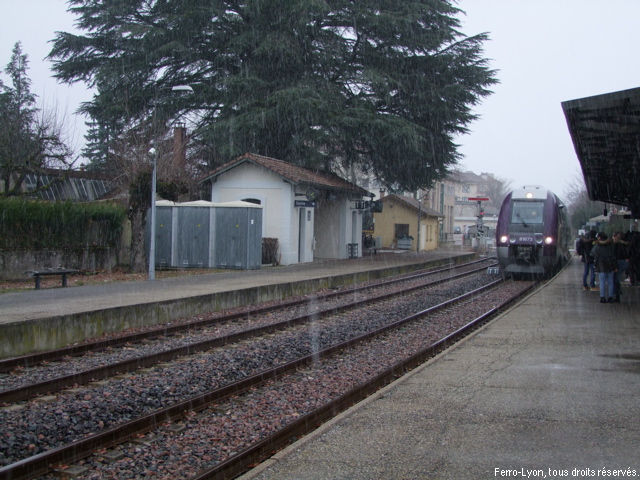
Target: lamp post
(181, 89)
(152, 239)
(419, 218)
(419, 198)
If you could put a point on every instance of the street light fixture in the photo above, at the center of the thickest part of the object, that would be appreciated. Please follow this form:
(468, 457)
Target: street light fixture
(419, 198)
(182, 89)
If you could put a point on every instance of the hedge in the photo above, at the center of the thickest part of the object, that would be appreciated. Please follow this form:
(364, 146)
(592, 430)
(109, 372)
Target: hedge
(35, 225)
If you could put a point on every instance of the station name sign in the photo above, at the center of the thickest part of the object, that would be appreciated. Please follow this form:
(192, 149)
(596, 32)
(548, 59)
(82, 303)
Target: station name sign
(304, 203)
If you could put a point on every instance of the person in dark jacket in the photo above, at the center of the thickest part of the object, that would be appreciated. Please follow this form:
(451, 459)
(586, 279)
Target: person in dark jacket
(605, 262)
(621, 252)
(634, 257)
(584, 250)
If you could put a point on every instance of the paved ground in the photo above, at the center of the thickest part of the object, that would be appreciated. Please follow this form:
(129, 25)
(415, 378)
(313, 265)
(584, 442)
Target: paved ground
(551, 389)
(36, 304)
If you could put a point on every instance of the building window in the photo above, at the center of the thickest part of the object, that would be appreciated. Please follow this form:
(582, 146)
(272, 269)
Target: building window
(401, 230)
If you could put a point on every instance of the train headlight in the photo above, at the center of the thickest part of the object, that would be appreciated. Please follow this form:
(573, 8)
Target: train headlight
(504, 238)
(548, 240)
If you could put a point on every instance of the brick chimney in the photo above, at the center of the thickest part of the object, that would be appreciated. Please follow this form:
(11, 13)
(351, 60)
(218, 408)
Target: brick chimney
(179, 146)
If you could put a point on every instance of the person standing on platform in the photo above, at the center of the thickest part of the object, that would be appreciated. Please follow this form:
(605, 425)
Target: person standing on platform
(634, 257)
(621, 252)
(584, 250)
(605, 262)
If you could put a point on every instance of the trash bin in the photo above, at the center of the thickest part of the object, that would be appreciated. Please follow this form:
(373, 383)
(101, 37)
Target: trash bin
(404, 243)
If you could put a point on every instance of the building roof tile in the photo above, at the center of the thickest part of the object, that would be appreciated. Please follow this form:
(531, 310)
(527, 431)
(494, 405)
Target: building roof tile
(293, 173)
(413, 203)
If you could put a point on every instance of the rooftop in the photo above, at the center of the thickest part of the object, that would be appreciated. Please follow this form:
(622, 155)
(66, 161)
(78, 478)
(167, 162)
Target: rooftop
(605, 130)
(293, 173)
(412, 203)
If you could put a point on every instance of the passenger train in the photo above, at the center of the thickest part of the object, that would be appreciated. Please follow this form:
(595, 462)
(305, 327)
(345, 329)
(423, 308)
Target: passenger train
(532, 234)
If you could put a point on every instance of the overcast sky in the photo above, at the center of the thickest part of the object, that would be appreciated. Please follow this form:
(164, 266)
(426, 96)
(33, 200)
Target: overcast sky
(545, 51)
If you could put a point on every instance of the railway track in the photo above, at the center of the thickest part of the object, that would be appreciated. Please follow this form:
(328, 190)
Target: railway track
(217, 330)
(201, 321)
(35, 465)
(257, 452)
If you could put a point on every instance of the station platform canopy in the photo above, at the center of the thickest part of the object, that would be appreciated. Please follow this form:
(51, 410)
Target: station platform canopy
(605, 130)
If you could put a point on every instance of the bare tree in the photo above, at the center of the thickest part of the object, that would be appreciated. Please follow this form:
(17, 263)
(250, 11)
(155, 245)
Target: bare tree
(580, 207)
(496, 189)
(130, 163)
(30, 139)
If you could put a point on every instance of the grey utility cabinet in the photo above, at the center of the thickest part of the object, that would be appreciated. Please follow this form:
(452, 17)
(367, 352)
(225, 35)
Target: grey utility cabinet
(208, 235)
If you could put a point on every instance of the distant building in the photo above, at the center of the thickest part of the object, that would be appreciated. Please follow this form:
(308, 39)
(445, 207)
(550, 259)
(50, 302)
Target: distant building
(449, 197)
(468, 185)
(442, 199)
(313, 214)
(397, 224)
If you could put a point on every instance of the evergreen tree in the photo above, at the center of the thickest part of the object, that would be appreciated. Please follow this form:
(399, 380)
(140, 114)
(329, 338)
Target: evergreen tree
(29, 143)
(381, 85)
(96, 150)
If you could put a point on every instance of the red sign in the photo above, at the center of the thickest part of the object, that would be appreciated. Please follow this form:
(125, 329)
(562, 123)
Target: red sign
(478, 199)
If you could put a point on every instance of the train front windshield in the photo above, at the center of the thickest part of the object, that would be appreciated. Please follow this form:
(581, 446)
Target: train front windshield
(527, 212)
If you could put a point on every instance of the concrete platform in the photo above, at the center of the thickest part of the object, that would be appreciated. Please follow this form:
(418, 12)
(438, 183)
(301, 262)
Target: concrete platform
(550, 389)
(38, 320)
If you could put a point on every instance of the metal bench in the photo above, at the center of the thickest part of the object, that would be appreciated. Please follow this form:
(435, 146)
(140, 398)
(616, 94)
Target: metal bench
(63, 272)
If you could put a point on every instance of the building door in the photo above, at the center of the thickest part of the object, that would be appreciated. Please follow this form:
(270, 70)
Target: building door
(302, 234)
(354, 227)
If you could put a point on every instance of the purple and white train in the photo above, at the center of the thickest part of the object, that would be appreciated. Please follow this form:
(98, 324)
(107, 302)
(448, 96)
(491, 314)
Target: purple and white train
(532, 234)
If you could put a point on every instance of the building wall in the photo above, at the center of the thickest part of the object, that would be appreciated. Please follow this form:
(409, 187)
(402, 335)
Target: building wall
(466, 211)
(14, 264)
(442, 199)
(395, 212)
(450, 198)
(279, 217)
(337, 224)
(429, 240)
(306, 218)
(326, 229)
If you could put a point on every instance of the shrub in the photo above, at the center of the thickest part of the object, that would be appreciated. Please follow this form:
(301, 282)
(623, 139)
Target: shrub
(34, 225)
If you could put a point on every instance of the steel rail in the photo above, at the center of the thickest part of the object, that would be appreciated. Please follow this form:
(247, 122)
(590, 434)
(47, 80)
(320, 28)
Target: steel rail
(102, 372)
(29, 360)
(262, 450)
(42, 463)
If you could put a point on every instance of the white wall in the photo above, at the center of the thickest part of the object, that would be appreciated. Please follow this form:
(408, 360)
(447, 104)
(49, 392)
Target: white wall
(328, 227)
(307, 215)
(279, 217)
(334, 227)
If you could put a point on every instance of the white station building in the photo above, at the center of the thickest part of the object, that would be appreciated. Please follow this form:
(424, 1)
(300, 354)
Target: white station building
(313, 214)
